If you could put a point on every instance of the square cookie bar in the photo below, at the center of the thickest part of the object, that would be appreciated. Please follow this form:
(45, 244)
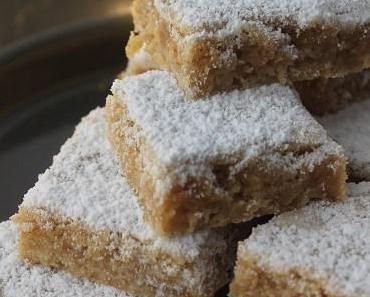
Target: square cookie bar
(319, 96)
(220, 45)
(322, 250)
(351, 128)
(82, 217)
(225, 159)
(20, 279)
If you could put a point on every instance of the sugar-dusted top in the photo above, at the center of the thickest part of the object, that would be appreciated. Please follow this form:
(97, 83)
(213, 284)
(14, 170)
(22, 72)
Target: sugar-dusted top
(247, 123)
(84, 184)
(198, 15)
(18, 279)
(329, 240)
(351, 128)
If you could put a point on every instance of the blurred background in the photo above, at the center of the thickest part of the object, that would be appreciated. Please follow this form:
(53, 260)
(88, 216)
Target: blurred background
(57, 61)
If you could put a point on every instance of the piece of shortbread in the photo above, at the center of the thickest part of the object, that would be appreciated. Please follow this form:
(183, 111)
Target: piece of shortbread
(82, 217)
(320, 96)
(220, 45)
(225, 159)
(322, 250)
(350, 127)
(19, 279)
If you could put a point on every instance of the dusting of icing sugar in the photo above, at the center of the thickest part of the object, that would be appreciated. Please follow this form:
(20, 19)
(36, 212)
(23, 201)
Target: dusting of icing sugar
(250, 123)
(140, 62)
(329, 240)
(199, 15)
(142, 58)
(351, 128)
(84, 184)
(18, 279)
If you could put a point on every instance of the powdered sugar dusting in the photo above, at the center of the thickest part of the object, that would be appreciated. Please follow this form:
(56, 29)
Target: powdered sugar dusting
(18, 279)
(84, 184)
(329, 240)
(139, 63)
(199, 15)
(351, 128)
(250, 123)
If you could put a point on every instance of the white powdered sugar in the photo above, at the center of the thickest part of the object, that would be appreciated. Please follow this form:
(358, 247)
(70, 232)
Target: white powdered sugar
(252, 123)
(18, 279)
(351, 128)
(329, 241)
(141, 60)
(202, 15)
(84, 184)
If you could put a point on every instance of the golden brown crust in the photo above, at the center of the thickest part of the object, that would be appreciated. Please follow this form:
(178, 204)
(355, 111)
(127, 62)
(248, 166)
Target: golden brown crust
(122, 262)
(259, 60)
(251, 280)
(226, 200)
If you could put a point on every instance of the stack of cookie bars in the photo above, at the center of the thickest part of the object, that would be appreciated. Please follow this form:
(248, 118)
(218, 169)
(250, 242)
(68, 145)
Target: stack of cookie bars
(226, 114)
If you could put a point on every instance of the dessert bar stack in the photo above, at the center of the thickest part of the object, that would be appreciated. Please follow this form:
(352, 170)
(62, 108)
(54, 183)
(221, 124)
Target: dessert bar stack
(82, 217)
(221, 119)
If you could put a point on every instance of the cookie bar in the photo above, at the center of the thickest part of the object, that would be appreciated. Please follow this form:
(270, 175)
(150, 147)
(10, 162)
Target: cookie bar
(321, 250)
(225, 159)
(220, 45)
(82, 217)
(19, 279)
(351, 128)
(321, 96)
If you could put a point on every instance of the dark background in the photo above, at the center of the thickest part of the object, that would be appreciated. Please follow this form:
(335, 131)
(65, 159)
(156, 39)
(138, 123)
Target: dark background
(57, 61)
